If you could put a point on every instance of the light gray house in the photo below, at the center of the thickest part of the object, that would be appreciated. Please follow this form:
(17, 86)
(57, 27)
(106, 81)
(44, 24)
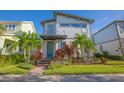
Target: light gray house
(62, 28)
(110, 38)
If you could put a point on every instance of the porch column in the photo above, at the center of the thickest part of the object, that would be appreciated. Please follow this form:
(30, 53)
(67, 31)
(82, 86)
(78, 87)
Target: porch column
(44, 49)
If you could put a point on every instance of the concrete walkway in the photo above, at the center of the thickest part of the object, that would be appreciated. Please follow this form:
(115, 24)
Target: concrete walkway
(63, 78)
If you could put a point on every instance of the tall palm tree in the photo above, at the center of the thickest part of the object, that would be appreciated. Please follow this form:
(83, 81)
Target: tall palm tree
(79, 42)
(27, 42)
(89, 47)
(22, 38)
(2, 29)
(34, 41)
(85, 44)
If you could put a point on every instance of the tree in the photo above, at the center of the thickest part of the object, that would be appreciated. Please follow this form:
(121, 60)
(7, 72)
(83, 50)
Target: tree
(34, 41)
(85, 44)
(79, 42)
(89, 46)
(22, 40)
(28, 42)
(2, 29)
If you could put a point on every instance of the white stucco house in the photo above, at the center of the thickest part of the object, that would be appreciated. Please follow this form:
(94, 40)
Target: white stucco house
(62, 28)
(110, 38)
(11, 27)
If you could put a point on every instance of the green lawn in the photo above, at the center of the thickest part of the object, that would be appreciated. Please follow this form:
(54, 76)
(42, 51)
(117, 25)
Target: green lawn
(14, 69)
(111, 67)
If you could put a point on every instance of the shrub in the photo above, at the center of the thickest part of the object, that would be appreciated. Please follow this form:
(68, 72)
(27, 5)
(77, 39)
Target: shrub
(105, 53)
(116, 57)
(25, 66)
(98, 55)
(12, 59)
(103, 61)
(67, 51)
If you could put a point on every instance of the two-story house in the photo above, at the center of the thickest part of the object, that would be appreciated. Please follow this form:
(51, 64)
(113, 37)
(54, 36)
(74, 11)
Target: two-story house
(110, 38)
(62, 28)
(11, 27)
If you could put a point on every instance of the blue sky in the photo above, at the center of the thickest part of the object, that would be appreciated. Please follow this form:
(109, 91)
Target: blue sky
(101, 17)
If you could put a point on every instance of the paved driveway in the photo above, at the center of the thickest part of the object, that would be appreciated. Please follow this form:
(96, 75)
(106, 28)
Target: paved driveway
(63, 78)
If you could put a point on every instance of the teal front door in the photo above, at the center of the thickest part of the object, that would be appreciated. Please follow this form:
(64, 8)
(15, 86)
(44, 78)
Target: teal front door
(49, 49)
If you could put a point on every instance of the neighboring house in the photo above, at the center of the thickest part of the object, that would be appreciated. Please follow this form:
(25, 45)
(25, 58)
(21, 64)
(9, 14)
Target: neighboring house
(12, 27)
(62, 29)
(110, 38)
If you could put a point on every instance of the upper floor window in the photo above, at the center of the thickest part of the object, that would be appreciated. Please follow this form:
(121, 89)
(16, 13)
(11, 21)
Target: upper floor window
(73, 25)
(84, 25)
(122, 29)
(50, 28)
(10, 27)
(64, 25)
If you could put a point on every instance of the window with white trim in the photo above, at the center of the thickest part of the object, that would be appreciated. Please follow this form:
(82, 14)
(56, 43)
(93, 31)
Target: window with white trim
(10, 27)
(50, 29)
(78, 25)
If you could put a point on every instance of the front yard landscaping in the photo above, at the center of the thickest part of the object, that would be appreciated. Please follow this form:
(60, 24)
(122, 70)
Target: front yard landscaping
(15, 69)
(111, 67)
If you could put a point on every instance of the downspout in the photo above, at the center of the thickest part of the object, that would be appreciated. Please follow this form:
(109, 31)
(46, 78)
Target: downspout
(119, 39)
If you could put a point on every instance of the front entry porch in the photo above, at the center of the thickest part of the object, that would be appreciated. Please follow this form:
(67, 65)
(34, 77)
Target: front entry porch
(7, 47)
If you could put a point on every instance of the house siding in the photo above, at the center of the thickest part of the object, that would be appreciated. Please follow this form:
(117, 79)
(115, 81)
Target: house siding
(71, 31)
(105, 35)
(110, 38)
(24, 26)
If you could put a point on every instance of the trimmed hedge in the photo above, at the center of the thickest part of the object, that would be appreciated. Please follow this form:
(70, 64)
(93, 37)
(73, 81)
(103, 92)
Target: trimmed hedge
(106, 55)
(116, 57)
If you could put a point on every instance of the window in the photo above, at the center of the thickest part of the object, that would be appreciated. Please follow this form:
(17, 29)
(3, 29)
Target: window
(51, 29)
(84, 25)
(122, 29)
(13, 27)
(64, 25)
(73, 25)
(76, 25)
(61, 44)
(10, 27)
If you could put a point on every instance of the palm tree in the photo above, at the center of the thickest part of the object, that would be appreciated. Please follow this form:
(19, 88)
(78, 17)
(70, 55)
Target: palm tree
(89, 47)
(22, 41)
(2, 28)
(34, 41)
(27, 42)
(85, 44)
(79, 42)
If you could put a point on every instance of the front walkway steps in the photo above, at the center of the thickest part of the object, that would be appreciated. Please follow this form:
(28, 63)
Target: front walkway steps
(45, 61)
(37, 70)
